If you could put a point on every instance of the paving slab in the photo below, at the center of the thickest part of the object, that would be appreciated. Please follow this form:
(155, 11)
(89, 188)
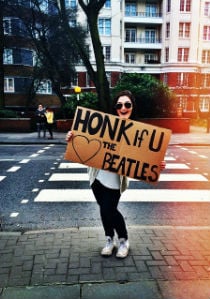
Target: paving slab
(195, 289)
(42, 292)
(131, 290)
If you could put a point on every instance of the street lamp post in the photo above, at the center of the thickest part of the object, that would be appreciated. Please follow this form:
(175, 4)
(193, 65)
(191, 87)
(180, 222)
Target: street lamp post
(77, 90)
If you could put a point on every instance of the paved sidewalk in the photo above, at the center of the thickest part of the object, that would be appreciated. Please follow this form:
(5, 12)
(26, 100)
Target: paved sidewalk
(164, 262)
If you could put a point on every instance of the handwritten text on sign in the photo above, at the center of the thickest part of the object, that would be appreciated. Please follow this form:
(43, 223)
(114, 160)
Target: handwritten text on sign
(126, 147)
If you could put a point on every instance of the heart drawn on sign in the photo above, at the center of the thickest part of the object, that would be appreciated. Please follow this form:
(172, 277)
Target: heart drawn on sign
(84, 148)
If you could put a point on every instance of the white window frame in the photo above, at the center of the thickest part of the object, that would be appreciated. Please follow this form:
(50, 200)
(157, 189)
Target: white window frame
(207, 9)
(107, 53)
(7, 26)
(130, 58)
(204, 104)
(150, 56)
(206, 33)
(44, 87)
(130, 35)
(104, 26)
(9, 84)
(205, 80)
(206, 56)
(183, 55)
(185, 5)
(182, 79)
(184, 29)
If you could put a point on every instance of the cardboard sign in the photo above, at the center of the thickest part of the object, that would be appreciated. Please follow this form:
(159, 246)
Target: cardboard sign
(123, 146)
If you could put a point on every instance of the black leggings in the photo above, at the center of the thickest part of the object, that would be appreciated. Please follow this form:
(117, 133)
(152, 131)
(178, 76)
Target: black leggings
(112, 219)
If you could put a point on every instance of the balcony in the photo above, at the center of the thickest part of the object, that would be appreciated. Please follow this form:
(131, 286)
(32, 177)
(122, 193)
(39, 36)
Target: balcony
(143, 17)
(143, 43)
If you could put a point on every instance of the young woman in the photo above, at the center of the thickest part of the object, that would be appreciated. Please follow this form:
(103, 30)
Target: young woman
(107, 187)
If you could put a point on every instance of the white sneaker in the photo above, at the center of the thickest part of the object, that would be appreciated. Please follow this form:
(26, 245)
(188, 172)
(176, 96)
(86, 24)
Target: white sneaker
(123, 249)
(109, 247)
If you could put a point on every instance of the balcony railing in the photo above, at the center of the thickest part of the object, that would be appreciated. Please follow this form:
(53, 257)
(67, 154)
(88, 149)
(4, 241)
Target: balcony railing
(144, 40)
(144, 14)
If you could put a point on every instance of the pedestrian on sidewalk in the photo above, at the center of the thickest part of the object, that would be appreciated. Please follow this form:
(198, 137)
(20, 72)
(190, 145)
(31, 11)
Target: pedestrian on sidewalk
(107, 187)
(40, 121)
(50, 121)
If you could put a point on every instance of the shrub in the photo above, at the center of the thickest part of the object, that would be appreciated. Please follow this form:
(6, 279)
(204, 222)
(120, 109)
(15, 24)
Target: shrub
(6, 113)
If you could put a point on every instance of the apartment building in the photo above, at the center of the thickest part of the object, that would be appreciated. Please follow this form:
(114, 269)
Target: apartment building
(169, 39)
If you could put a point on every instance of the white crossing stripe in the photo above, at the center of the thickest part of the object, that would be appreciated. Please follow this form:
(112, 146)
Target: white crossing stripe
(180, 177)
(24, 161)
(134, 195)
(167, 158)
(13, 169)
(176, 166)
(2, 178)
(71, 165)
(168, 177)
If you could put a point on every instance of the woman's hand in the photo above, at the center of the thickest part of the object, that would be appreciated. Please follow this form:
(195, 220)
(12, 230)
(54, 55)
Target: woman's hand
(69, 136)
(162, 165)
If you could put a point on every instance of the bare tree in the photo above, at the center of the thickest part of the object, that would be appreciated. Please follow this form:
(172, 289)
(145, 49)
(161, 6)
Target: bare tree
(56, 55)
(91, 9)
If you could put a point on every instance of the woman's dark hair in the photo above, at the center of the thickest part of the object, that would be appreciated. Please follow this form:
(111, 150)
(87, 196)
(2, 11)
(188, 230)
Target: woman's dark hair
(131, 97)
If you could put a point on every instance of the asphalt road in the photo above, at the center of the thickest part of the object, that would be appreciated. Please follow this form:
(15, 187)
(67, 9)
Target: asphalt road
(35, 178)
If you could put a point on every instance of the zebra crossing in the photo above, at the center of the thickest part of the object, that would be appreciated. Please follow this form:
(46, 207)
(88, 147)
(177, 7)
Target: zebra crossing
(171, 187)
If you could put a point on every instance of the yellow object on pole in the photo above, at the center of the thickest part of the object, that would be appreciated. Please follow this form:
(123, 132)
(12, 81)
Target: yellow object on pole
(77, 89)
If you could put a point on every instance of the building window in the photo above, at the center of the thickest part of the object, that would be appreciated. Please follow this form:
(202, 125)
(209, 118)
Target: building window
(130, 58)
(205, 80)
(204, 104)
(182, 79)
(104, 26)
(168, 6)
(207, 9)
(8, 57)
(150, 35)
(150, 58)
(183, 54)
(206, 56)
(130, 35)
(107, 4)
(44, 87)
(206, 33)
(151, 10)
(23, 56)
(184, 30)
(165, 78)
(9, 85)
(14, 26)
(166, 54)
(107, 53)
(70, 3)
(167, 30)
(7, 26)
(185, 5)
(130, 9)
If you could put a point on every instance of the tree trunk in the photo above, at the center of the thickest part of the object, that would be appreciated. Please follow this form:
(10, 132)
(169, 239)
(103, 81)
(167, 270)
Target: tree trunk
(99, 77)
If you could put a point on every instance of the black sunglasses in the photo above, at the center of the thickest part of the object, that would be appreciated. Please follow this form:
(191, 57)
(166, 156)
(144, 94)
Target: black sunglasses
(127, 105)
